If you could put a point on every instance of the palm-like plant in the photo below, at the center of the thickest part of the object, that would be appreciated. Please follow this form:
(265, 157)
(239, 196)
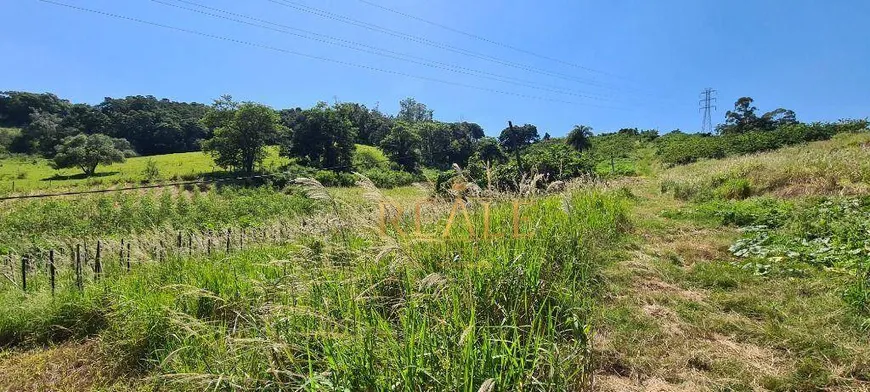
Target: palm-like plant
(579, 138)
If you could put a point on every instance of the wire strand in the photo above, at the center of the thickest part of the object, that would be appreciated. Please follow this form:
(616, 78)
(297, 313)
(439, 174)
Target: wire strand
(315, 57)
(398, 34)
(284, 29)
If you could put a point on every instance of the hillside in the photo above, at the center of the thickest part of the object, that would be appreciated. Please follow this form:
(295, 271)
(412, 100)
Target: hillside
(662, 286)
(34, 173)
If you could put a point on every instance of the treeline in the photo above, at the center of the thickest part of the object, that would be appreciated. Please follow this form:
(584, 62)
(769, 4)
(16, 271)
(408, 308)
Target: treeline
(152, 126)
(323, 139)
(326, 137)
(745, 132)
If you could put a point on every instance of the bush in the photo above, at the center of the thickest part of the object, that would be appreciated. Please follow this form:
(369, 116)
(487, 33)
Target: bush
(331, 178)
(369, 158)
(383, 178)
(7, 136)
(680, 149)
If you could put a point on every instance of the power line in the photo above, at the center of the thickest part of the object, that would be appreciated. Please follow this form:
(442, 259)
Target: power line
(384, 30)
(284, 29)
(484, 39)
(315, 57)
(706, 103)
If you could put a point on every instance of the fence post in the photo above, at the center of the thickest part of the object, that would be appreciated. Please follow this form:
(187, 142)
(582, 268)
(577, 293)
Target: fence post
(24, 263)
(229, 239)
(241, 238)
(208, 246)
(162, 252)
(190, 244)
(179, 241)
(51, 270)
(128, 257)
(78, 268)
(121, 254)
(98, 265)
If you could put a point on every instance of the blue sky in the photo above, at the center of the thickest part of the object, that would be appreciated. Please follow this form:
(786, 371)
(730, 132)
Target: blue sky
(653, 57)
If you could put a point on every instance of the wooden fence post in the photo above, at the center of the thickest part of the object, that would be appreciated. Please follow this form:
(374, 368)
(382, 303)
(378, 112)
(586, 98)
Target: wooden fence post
(229, 239)
(208, 246)
(190, 244)
(24, 263)
(121, 254)
(78, 268)
(162, 252)
(128, 257)
(98, 263)
(51, 270)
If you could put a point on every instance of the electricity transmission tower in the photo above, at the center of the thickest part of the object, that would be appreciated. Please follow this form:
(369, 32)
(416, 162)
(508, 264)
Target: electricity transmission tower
(708, 97)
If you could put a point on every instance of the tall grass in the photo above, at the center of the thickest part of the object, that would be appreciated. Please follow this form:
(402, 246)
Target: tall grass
(42, 222)
(837, 166)
(356, 311)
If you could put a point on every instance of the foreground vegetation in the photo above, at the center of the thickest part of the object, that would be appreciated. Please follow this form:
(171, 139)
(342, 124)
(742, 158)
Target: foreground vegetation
(353, 310)
(620, 261)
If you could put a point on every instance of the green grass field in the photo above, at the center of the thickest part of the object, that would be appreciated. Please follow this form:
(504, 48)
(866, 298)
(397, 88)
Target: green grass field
(32, 173)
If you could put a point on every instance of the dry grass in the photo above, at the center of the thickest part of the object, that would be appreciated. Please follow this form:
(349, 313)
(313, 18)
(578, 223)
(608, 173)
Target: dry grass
(73, 366)
(837, 166)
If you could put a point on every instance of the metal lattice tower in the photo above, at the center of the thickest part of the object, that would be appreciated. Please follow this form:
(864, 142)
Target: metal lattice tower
(708, 98)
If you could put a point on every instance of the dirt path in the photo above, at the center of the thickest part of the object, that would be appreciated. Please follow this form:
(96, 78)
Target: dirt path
(680, 315)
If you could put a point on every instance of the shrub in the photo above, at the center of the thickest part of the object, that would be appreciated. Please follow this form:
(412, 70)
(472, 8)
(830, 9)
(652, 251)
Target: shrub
(734, 189)
(383, 178)
(680, 149)
(331, 178)
(151, 171)
(369, 158)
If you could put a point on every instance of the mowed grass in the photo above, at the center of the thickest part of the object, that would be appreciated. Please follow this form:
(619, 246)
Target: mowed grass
(354, 310)
(30, 173)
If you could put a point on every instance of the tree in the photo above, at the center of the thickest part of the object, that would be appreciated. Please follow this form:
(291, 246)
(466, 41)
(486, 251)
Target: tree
(88, 151)
(413, 112)
(322, 138)
(444, 144)
(741, 119)
(488, 150)
(514, 139)
(579, 138)
(241, 134)
(371, 125)
(44, 132)
(402, 145)
(17, 106)
(778, 118)
(556, 161)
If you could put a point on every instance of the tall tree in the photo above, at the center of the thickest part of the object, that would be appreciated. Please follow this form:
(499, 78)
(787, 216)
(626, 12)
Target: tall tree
(88, 151)
(741, 119)
(241, 134)
(412, 112)
(514, 139)
(580, 138)
(322, 137)
(402, 145)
